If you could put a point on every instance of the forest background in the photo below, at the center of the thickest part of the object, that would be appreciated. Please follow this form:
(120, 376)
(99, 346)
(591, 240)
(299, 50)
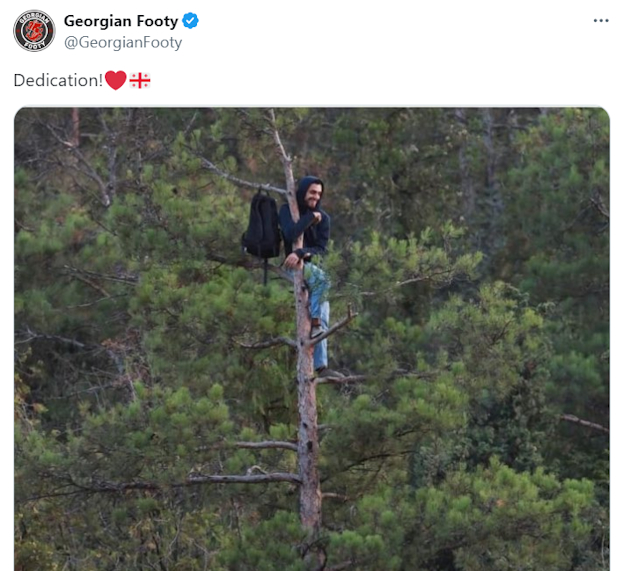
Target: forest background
(150, 359)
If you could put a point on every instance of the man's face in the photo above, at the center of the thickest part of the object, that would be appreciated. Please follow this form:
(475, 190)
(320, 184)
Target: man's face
(312, 196)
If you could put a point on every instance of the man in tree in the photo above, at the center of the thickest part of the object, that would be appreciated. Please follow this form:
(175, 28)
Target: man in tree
(315, 225)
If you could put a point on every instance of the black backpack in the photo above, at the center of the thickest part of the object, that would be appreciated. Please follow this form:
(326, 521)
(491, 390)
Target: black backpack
(263, 237)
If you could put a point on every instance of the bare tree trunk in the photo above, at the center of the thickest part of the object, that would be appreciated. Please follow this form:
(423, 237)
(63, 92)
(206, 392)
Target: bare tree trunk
(75, 127)
(310, 496)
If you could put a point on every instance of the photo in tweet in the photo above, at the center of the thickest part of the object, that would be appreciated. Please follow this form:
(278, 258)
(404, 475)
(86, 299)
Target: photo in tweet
(328, 338)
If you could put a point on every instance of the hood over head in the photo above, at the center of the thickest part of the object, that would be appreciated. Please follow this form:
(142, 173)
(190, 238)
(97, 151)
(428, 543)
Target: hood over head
(304, 184)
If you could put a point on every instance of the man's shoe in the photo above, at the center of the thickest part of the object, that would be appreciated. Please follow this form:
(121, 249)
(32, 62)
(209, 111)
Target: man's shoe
(316, 330)
(326, 372)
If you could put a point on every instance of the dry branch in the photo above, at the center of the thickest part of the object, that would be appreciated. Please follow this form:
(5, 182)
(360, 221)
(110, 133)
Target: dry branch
(334, 496)
(343, 323)
(412, 280)
(33, 336)
(191, 480)
(598, 203)
(249, 263)
(286, 160)
(206, 164)
(574, 419)
(92, 284)
(127, 279)
(106, 189)
(252, 479)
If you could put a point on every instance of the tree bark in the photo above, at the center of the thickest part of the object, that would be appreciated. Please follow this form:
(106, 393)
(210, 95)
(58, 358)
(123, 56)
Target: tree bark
(267, 444)
(581, 422)
(75, 127)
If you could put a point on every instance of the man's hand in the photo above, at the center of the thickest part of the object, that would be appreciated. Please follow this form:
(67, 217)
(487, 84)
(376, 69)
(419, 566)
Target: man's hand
(293, 262)
(317, 218)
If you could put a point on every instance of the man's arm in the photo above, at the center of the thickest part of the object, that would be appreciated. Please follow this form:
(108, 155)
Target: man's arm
(292, 230)
(322, 239)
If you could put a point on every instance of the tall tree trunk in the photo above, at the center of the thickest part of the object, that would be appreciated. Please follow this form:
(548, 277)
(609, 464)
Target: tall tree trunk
(310, 496)
(75, 127)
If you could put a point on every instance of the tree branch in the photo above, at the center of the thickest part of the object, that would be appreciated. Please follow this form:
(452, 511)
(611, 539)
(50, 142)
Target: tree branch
(267, 444)
(250, 263)
(343, 323)
(574, 419)
(598, 203)
(231, 479)
(128, 279)
(286, 160)
(206, 164)
(333, 496)
(91, 303)
(192, 480)
(412, 280)
(89, 171)
(33, 336)
(92, 284)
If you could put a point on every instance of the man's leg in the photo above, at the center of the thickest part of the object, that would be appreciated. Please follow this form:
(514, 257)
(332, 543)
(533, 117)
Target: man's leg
(318, 284)
(321, 353)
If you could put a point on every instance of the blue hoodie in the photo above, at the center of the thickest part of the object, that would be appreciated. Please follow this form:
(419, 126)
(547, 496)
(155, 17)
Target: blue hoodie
(315, 236)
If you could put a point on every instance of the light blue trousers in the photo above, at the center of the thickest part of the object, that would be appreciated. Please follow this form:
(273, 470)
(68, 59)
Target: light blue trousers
(321, 351)
(318, 284)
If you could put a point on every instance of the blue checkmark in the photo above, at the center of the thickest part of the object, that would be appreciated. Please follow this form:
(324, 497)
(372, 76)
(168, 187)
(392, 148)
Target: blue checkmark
(190, 20)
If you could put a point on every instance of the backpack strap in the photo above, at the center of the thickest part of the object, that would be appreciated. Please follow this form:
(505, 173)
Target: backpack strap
(258, 213)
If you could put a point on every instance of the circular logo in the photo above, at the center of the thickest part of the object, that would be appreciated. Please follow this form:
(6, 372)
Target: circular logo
(34, 30)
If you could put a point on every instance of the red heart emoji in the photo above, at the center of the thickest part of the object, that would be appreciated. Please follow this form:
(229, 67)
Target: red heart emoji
(115, 80)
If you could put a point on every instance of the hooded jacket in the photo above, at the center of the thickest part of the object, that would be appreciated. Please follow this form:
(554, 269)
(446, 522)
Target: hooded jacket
(315, 236)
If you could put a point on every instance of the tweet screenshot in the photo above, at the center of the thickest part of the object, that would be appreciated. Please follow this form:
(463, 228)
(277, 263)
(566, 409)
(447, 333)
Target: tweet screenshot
(312, 287)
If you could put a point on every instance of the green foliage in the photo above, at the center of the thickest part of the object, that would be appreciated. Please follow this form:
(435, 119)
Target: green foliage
(492, 518)
(558, 230)
(472, 243)
(268, 545)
